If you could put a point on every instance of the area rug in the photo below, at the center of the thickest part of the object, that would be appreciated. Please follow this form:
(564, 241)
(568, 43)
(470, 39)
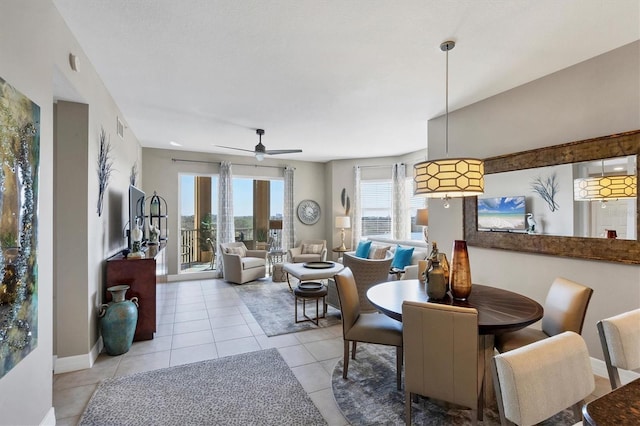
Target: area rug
(369, 395)
(272, 306)
(256, 388)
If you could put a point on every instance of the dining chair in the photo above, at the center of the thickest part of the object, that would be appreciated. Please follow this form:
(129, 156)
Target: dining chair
(620, 339)
(442, 356)
(537, 381)
(564, 310)
(365, 327)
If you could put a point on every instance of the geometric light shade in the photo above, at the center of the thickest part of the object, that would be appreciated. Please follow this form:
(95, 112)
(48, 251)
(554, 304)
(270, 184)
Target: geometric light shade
(449, 177)
(605, 187)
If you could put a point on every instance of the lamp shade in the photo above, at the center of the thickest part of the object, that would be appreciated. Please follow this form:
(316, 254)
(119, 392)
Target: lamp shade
(449, 177)
(422, 217)
(275, 224)
(605, 187)
(343, 222)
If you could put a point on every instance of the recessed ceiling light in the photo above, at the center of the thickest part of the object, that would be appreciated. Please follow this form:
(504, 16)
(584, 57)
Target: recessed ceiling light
(173, 143)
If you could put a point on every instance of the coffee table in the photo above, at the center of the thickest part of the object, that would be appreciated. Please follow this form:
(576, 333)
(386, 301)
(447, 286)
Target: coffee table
(305, 273)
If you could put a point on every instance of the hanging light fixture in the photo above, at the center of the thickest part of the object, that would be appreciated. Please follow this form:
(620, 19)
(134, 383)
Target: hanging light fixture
(603, 188)
(449, 177)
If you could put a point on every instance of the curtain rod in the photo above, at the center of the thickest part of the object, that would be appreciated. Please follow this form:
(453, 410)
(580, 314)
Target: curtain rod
(379, 166)
(233, 164)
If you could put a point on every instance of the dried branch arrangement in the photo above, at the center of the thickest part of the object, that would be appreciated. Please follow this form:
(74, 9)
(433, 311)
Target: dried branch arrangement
(105, 167)
(547, 190)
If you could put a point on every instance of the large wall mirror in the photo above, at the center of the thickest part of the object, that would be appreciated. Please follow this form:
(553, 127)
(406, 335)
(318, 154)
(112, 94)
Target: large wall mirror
(564, 226)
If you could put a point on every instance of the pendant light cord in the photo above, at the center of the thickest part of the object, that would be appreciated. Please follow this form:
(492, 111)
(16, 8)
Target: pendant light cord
(446, 137)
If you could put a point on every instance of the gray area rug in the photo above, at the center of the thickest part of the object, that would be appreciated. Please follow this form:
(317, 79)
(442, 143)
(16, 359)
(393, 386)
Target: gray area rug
(369, 395)
(256, 388)
(272, 306)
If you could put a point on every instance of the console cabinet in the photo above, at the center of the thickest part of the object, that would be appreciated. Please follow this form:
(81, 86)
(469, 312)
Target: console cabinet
(141, 274)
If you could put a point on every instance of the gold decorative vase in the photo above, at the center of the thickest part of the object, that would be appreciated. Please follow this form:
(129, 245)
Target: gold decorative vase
(460, 271)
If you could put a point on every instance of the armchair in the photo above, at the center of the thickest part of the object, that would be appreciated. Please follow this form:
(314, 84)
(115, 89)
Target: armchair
(309, 251)
(240, 265)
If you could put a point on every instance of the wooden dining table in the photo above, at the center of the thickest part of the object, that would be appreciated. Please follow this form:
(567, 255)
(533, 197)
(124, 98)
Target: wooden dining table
(619, 407)
(499, 311)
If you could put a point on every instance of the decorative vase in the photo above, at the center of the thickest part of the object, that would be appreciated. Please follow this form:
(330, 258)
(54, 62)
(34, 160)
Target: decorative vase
(442, 258)
(460, 271)
(436, 283)
(118, 320)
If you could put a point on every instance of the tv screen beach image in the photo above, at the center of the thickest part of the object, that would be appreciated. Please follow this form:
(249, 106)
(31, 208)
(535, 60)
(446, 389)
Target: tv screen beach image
(502, 213)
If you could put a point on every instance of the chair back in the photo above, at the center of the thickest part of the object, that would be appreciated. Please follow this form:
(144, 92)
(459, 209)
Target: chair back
(367, 273)
(620, 339)
(539, 380)
(441, 352)
(348, 296)
(565, 307)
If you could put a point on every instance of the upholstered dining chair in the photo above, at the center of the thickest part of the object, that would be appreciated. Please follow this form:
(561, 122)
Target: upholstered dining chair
(620, 339)
(537, 381)
(442, 356)
(564, 310)
(367, 273)
(365, 327)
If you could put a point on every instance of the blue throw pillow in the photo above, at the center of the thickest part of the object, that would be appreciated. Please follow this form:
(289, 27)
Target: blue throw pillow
(363, 249)
(402, 257)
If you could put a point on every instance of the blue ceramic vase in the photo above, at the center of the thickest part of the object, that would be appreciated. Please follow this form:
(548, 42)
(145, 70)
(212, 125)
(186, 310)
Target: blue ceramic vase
(118, 320)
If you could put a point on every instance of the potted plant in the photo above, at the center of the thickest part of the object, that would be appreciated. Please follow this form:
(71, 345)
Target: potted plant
(206, 235)
(261, 238)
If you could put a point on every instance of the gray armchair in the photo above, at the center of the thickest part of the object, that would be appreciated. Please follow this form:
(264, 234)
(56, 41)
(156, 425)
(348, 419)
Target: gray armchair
(309, 251)
(240, 265)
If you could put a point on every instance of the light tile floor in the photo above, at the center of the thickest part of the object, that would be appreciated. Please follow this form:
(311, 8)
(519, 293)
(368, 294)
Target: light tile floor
(199, 320)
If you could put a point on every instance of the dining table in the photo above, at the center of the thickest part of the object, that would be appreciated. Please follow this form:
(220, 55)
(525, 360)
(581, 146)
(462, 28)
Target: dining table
(499, 311)
(619, 407)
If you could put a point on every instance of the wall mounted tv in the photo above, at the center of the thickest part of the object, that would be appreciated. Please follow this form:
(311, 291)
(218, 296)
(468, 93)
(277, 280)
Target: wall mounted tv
(502, 214)
(136, 211)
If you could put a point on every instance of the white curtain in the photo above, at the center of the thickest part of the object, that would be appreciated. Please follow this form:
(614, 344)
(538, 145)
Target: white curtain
(400, 216)
(225, 226)
(356, 208)
(288, 235)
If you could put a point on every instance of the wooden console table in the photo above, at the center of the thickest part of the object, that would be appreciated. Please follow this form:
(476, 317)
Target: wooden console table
(141, 274)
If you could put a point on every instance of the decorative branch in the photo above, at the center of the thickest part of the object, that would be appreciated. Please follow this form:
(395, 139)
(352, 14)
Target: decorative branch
(346, 202)
(547, 190)
(105, 166)
(134, 173)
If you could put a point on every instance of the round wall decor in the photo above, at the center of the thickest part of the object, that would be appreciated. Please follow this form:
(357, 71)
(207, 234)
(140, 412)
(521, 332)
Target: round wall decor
(308, 212)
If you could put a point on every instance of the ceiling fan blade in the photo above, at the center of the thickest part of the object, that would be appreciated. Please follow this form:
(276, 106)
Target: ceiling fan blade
(282, 151)
(237, 149)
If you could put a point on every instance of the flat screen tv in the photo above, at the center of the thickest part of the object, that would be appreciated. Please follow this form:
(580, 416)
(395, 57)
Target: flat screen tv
(502, 214)
(136, 211)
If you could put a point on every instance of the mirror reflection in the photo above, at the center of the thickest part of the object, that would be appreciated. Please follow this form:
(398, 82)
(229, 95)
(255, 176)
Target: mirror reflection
(548, 201)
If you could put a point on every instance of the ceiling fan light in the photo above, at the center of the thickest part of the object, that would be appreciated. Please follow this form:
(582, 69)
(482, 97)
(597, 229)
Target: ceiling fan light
(259, 156)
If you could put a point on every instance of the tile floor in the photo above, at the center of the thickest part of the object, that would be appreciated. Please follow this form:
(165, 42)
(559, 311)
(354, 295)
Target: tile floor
(206, 319)
(200, 320)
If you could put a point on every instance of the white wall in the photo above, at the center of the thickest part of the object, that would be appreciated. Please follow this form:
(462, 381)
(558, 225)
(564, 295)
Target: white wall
(594, 98)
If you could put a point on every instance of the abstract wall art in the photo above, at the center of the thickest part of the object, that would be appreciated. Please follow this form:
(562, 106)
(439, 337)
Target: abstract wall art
(19, 166)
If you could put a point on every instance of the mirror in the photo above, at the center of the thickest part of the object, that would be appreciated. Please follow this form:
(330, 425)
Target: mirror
(588, 247)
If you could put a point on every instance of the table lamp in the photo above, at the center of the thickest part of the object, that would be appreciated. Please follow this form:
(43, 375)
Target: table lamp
(422, 219)
(343, 222)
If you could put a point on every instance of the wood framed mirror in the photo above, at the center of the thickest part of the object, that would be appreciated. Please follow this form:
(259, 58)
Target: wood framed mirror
(612, 250)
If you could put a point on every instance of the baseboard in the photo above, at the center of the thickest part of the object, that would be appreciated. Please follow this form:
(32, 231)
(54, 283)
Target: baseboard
(78, 362)
(600, 369)
(204, 275)
(50, 418)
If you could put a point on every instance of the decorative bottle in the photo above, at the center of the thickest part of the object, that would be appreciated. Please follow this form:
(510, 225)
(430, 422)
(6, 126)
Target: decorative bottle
(436, 282)
(442, 258)
(460, 271)
(118, 320)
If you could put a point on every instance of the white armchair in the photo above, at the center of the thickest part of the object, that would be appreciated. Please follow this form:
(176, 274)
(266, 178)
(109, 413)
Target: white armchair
(241, 265)
(309, 251)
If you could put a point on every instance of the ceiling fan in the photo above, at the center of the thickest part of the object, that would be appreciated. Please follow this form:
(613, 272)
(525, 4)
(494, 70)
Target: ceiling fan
(260, 151)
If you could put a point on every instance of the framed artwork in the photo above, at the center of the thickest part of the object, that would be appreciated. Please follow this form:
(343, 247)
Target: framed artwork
(19, 167)
(308, 212)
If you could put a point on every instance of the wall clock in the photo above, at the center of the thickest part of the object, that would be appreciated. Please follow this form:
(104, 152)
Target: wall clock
(308, 212)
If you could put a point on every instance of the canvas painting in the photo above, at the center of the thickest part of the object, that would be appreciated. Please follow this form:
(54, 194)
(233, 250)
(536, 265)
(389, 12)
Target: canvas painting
(19, 161)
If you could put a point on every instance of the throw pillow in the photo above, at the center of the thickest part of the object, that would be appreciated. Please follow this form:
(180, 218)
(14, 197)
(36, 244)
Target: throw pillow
(236, 250)
(312, 248)
(379, 252)
(363, 249)
(402, 257)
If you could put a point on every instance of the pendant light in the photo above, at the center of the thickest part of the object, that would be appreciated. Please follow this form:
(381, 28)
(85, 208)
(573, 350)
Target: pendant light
(603, 188)
(449, 177)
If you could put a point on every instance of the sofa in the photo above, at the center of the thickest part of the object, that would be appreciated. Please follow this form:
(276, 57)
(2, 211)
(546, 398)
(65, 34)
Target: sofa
(240, 265)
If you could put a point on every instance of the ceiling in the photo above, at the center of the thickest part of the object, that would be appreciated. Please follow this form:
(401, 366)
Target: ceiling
(335, 78)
